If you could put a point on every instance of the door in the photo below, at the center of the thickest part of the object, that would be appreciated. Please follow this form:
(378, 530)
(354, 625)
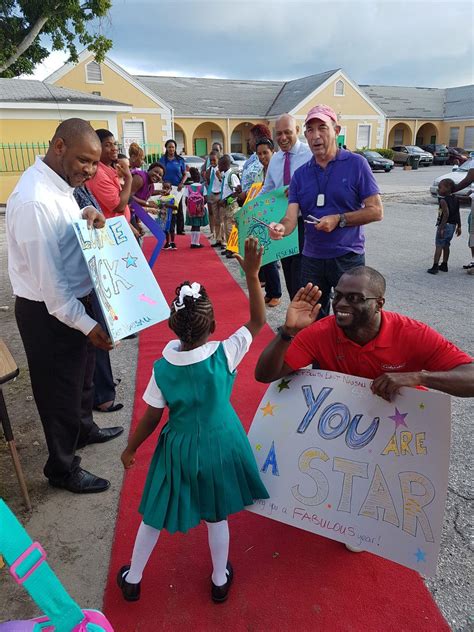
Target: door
(200, 146)
(363, 136)
(133, 132)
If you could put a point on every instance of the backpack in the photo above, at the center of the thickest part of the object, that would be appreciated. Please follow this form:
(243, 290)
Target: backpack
(195, 202)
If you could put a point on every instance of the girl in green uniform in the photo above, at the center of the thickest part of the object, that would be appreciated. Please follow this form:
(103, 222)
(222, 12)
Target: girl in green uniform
(203, 467)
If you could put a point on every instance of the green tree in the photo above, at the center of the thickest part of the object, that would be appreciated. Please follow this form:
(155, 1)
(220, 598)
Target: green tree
(63, 21)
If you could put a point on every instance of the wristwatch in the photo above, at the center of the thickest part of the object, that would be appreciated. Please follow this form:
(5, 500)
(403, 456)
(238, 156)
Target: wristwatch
(283, 335)
(342, 220)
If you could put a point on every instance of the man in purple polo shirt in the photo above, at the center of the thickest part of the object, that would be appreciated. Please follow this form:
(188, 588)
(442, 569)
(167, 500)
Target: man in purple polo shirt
(338, 189)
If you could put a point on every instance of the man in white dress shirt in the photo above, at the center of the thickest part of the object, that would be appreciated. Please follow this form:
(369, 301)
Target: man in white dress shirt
(53, 300)
(293, 154)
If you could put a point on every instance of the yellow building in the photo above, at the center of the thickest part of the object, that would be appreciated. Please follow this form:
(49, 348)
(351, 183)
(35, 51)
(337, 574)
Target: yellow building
(197, 112)
(30, 111)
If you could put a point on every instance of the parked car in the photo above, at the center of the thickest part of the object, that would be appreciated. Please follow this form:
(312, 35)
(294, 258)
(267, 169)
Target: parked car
(457, 156)
(456, 175)
(193, 161)
(238, 161)
(377, 162)
(403, 152)
(440, 153)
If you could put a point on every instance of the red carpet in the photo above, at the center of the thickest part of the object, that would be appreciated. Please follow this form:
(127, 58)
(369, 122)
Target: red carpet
(285, 578)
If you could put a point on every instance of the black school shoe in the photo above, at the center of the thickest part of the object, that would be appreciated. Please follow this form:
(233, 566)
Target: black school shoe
(219, 594)
(130, 592)
(443, 267)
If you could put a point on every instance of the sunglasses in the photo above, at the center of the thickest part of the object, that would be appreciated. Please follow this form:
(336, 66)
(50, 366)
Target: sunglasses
(353, 298)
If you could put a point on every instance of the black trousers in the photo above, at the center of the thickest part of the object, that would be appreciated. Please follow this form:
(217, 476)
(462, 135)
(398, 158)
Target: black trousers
(292, 265)
(180, 218)
(104, 385)
(61, 361)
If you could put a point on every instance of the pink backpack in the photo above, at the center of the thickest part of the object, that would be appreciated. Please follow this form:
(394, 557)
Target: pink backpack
(195, 202)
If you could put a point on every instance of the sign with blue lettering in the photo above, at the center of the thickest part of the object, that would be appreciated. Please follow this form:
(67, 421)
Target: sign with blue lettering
(253, 219)
(341, 462)
(130, 297)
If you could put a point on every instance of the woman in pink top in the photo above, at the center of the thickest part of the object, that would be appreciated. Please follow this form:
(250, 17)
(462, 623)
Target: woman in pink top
(105, 185)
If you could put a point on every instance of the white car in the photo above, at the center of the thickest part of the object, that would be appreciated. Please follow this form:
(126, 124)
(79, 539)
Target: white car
(238, 160)
(456, 175)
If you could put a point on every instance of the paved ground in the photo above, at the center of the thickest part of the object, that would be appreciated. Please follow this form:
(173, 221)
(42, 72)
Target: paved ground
(77, 531)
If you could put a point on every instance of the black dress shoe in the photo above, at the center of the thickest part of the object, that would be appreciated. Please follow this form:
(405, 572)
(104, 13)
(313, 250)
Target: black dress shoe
(220, 593)
(102, 435)
(81, 482)
(130, 592)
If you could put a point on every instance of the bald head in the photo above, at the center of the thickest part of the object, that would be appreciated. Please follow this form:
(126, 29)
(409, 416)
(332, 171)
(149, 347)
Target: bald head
(286, 131)
(76, 130)
(74, 152)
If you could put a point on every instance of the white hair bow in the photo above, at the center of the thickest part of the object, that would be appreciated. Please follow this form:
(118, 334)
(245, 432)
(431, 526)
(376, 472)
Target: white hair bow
(187, 290)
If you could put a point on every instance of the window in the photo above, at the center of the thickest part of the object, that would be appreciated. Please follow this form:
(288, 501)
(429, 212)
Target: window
(398, 136)
(339, 88)
(236, 142)
(93, 72)
(97, 93)
(363, 136)
(469, 138)
(453, 136)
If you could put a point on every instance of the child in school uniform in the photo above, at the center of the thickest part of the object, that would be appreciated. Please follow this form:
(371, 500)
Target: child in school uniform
(228, 205)
(196, 212)
(167, 204)
(203, 467)
(448, 223)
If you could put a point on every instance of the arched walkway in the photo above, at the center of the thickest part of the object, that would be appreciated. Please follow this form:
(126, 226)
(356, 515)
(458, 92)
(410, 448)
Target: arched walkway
(204, 135)
(239, 139)
(400, 134)
(426, 134)
(181, 139)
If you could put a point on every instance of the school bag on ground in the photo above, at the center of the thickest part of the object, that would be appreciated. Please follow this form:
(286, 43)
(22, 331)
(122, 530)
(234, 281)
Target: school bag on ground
(195, 202)
(28, 567)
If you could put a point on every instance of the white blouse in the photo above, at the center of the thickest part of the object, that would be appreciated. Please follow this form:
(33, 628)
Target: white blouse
(235, 349)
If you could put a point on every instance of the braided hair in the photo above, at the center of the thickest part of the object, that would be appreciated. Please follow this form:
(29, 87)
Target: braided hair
(192, 322)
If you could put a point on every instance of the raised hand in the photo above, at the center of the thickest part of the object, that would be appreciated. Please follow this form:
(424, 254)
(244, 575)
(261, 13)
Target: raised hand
(252, 259)
(303, 309)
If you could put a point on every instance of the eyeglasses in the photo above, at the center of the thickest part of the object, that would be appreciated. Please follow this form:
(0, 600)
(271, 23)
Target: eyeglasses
(353, 298)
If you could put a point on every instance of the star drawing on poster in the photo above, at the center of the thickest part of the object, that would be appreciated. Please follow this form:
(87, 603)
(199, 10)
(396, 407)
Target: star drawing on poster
(258, 447)
(421, 406)
(420, 555)
(398, 418)
(283, 384)
(131, 262)
(268, 409)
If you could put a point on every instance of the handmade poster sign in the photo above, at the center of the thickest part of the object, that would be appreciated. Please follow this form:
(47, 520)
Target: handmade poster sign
(253, 219)
(130, 297)
(233, 241)
(344, 463)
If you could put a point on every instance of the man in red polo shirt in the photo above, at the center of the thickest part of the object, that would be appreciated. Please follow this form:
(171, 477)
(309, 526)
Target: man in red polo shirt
(362, 339)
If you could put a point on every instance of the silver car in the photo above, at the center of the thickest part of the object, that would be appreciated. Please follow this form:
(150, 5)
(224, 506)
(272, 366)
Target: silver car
(402, 153)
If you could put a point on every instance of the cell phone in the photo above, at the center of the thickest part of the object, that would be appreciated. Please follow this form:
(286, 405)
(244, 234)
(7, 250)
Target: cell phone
(314, 220)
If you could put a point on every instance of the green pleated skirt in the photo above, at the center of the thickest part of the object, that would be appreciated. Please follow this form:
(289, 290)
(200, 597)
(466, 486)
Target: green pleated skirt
(205, 476)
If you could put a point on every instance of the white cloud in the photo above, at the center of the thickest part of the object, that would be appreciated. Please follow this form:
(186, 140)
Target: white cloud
(55, 60)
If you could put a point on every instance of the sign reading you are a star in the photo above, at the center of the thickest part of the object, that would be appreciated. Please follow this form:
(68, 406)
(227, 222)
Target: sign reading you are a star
(344, 463)
(129, 296)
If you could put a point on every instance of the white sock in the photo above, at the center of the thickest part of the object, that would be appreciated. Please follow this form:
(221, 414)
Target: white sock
(198, 237)
(145, 542)
(193, 237)
(218, 537)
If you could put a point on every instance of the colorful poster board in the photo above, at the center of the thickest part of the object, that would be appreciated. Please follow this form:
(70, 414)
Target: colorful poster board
(253, 218)
(233, 241)
(130, 297)
(345, 464)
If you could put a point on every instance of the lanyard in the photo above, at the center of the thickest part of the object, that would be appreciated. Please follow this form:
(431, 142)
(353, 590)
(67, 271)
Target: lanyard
(321, 197)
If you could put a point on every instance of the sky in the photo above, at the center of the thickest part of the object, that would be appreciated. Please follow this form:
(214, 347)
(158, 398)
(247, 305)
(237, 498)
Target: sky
(387, 42)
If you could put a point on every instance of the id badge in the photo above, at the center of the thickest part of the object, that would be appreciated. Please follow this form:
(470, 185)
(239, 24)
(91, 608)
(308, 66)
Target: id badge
(320, 199)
